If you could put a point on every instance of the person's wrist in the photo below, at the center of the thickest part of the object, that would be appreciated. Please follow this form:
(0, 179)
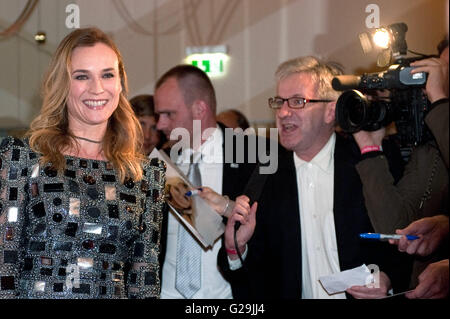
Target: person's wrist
(226, 207)
(364, 138)
(231, 251)
(437, 96)
(371, 148)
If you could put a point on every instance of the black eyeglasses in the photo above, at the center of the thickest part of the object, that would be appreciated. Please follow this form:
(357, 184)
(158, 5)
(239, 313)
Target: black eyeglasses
(293, 102)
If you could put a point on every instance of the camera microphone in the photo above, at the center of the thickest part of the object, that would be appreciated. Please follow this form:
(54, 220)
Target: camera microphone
(345, 82)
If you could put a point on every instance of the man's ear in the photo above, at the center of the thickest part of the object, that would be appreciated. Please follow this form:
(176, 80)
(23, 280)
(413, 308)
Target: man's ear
(330, 112)
(199, 109)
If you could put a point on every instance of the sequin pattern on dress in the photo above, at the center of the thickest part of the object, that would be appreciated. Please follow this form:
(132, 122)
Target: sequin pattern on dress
(80, 234)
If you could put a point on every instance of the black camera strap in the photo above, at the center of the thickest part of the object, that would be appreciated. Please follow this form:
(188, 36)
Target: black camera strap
(253, 190)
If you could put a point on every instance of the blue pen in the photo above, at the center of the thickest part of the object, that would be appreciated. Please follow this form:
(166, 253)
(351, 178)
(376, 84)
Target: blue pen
(385, 236)
(193, 192)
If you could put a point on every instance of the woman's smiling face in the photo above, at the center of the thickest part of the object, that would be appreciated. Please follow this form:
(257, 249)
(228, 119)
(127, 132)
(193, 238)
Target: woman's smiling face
(95, 87)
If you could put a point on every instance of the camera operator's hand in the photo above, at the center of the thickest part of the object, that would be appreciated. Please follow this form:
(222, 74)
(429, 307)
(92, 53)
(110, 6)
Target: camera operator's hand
(364, 138)
(437, 82)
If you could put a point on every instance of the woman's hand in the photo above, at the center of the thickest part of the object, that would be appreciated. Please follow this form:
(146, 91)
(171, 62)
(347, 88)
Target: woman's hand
(218, 202)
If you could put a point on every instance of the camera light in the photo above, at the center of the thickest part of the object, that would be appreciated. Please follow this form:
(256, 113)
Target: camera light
(392, 38)
(382, 38)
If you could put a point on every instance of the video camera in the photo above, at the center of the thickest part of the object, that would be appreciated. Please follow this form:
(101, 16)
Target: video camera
(363, 106)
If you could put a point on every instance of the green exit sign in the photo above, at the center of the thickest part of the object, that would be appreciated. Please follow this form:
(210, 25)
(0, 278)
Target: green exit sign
(212, 60)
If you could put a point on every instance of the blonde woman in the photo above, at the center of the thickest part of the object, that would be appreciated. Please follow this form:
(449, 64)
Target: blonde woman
(80, 206)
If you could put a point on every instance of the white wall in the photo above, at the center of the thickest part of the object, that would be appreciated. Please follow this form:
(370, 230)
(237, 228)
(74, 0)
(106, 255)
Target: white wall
(260, 34)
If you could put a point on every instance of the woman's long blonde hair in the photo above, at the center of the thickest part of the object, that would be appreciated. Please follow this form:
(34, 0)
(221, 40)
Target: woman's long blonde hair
(49, 132)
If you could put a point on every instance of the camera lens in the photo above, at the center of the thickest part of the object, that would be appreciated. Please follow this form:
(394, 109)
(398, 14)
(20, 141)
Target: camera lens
(356, 112)
(352, 111)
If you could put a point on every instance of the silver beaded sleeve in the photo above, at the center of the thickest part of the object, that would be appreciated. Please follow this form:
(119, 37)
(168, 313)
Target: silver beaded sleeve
(13, 195)
(144, 275)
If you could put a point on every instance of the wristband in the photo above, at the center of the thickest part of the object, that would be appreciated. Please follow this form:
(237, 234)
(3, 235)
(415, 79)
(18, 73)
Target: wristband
(231, 251)
(371, 148)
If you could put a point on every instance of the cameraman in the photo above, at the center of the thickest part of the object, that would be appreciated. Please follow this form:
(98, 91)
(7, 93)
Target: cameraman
(423, 190)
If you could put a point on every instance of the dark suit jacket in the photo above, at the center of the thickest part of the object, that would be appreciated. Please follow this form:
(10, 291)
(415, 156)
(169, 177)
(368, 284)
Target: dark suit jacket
(273, 267)
(235, 177)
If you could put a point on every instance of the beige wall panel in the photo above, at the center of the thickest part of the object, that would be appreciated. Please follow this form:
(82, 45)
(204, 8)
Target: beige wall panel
(153, 34)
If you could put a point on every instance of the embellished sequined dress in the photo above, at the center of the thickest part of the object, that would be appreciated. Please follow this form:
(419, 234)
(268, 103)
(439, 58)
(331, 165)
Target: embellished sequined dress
(81, 234)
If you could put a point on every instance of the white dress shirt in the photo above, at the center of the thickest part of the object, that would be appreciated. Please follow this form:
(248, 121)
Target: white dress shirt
(213, 285)
(315, 180)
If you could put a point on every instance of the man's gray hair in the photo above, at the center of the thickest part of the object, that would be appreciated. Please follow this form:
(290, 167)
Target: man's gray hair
(321, 72)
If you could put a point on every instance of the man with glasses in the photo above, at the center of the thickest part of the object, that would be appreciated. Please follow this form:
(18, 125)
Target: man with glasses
(312, 209)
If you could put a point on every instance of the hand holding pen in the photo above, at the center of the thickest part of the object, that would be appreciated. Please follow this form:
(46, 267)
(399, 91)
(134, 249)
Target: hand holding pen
(421, 237)
(236, 211)
(218, 202)
(431, 232)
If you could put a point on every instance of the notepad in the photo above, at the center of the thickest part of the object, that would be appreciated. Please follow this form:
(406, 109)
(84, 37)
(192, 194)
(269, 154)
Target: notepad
(343, 280)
